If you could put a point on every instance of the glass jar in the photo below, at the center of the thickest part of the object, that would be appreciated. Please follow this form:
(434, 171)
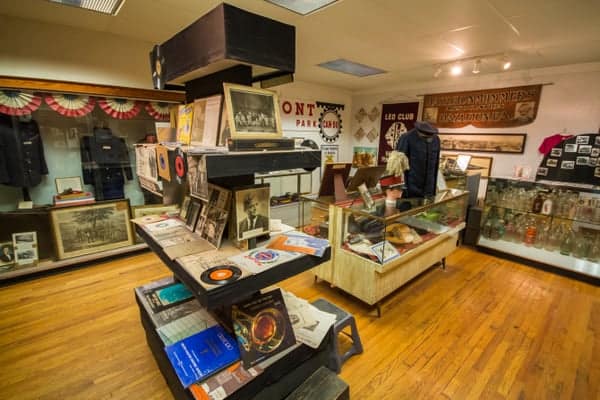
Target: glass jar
(567, 242)
(530, 232)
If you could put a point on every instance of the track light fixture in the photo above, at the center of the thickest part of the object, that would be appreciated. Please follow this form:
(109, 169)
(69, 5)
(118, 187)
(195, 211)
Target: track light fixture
(455, 67)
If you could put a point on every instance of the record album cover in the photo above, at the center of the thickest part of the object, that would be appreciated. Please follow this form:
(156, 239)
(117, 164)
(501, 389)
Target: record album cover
(163, 297)
(262, 327)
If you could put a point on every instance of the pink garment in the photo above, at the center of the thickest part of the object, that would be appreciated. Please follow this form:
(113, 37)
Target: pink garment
(551, 141)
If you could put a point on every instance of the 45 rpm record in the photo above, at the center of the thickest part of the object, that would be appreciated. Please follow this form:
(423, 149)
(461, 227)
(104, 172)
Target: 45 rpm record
(180, 165)
(221, 274)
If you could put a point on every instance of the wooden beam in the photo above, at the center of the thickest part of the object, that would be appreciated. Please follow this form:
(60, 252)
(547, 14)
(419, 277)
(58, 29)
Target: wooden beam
(47, 85)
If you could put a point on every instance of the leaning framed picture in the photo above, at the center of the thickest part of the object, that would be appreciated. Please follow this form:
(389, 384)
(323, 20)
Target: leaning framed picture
(252, 211)
(72, 183)
(89, 229)
(489, 142)
(252, 113)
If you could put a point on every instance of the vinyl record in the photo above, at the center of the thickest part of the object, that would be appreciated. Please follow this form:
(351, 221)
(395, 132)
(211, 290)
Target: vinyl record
(221, 274)
(180, 165)
(157, 66)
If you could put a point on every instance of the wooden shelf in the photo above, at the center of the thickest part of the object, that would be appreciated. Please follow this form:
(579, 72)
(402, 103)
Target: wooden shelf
(250, 162)
(238, 290)
(49, 264)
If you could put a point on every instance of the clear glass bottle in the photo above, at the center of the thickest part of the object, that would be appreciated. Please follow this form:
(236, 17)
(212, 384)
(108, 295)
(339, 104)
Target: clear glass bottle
(567, 242)
(530, 231)
(538, 202)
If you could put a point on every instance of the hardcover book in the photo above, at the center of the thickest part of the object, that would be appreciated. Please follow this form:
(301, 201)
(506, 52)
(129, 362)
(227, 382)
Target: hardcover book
(202, 354)
(262, 327)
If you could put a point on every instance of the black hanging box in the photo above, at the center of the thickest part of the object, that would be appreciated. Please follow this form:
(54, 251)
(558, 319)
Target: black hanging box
(224, 37)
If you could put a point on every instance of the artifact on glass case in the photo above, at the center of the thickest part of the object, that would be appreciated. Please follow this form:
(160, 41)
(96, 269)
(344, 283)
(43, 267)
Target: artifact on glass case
(90, 229)
(7, 255)
(25, 248)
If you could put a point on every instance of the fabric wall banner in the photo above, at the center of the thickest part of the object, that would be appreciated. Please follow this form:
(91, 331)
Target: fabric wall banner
(491, 108)
(396, 119)
(299, 115)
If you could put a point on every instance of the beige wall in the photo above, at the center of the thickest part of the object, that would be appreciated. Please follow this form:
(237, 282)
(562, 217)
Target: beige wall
(39, 50)
(570, 103)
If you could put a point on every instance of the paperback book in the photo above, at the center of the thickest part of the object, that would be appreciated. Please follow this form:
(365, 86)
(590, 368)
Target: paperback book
(202, 354)
(262, 327)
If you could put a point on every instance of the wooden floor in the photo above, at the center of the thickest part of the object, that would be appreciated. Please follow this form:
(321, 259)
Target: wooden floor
(484, 328)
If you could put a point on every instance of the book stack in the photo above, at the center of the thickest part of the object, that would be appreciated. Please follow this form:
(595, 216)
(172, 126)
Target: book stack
(74, 198)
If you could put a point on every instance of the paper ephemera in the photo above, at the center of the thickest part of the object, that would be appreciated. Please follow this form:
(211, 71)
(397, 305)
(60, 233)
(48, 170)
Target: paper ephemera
(309, 323)
(262, 259)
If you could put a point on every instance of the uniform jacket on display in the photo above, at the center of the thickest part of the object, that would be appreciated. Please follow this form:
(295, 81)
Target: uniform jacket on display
(22, 161)
(422, 147)
(105, 164)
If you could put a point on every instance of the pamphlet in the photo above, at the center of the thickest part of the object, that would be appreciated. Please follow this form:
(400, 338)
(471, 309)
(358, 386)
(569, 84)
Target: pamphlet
(299, 242)
(202, 354)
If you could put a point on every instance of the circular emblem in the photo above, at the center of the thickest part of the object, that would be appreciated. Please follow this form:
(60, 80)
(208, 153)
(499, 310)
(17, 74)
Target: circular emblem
(264, 256)
(330, 125)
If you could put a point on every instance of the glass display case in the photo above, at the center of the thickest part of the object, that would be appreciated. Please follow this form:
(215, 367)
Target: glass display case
(378, 249)
(551, 223)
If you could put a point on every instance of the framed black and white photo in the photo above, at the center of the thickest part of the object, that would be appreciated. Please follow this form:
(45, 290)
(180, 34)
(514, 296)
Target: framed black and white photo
(72, 183)
(551, 162)
(595, 152)
(570, 148)
(7, 255)
(582, 160)
(593, 161)
(585, 149)
(252, 212)
(489, 142)
(193, 214)
(197, 177)
(252, 113)
(25, 248)
(583, 139)
(597, 172)
(556, 152)
(542, 171)
(213, 225)
(567, 165)
(92, 228)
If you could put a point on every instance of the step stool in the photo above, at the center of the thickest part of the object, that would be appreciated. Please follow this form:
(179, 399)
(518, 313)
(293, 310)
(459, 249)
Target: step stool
(342, 320)
(323, 384)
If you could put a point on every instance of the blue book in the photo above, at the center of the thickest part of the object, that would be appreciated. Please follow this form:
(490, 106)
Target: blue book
(203, 354)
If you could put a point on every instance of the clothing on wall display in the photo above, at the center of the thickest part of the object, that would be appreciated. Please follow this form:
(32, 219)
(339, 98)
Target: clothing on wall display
(551, 141)
(421, 145)
(105, 164)
(22, 160)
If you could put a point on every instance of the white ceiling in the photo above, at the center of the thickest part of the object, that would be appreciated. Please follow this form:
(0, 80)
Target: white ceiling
(407, 38)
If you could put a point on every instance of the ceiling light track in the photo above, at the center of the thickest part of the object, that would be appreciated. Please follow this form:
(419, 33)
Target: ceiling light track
(455, 67)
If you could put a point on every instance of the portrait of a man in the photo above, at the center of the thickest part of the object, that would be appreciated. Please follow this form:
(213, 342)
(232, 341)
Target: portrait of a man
(252, 208)
(7, 255)
(524, 111)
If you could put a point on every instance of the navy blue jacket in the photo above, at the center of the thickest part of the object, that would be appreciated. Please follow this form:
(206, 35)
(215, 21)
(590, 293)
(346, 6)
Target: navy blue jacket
(22, 161)
(423, 153)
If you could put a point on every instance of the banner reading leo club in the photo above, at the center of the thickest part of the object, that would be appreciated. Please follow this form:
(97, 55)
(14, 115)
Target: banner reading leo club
(396, 119)
(491, 108)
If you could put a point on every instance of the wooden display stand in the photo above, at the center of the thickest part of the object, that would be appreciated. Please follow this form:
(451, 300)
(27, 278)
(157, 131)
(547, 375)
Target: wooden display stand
(371, 281)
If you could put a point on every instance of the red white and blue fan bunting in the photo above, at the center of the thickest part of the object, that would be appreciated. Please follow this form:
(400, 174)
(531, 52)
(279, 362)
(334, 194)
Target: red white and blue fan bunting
(158, 110)
(120, 108)
(15, 102)
(70, 105)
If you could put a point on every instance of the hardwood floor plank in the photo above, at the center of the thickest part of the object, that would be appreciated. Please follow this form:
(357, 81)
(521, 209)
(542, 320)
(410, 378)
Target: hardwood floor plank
(483, 328)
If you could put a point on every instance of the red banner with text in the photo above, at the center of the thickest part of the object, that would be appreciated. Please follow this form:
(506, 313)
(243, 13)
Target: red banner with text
(396, 119)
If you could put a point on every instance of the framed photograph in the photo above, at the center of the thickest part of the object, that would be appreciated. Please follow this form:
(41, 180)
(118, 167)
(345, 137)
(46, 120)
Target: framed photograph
(252, 113)
(490, 143)
(585, 149)
(595, 152)
(197, 177)
(551, 162)
(7, 255)
(556, 152)
(542, 171)
(25, 248)
(185, 208)
(192, 215)
(582, 160)
(570, 148)
(567, 165)
(92, 228)
(593, 161)
(582, 139)
(72, 183)
(364, 156)
(252, 211)
(213, 225)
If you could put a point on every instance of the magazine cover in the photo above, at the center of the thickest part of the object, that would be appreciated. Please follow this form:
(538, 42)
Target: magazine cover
(262, 327)
(225, 382)
(203, 354)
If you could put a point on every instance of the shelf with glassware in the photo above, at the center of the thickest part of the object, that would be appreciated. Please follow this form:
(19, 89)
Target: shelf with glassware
(286, 188)
(551, 223)
(378, 249)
